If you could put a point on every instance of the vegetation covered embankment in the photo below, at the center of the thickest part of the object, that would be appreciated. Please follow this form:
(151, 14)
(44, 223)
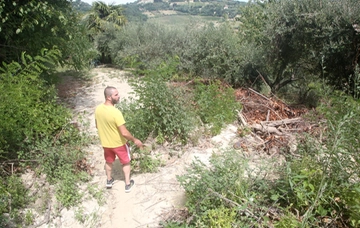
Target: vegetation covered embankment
(36, 130)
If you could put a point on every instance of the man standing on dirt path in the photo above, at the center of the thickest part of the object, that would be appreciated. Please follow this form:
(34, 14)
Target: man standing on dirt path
(114, 135)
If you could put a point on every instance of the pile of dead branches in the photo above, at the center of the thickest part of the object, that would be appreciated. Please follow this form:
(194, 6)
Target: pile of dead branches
(271, 121)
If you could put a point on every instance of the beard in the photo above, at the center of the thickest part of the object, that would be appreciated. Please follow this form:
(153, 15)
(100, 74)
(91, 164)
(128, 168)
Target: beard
(114, 101)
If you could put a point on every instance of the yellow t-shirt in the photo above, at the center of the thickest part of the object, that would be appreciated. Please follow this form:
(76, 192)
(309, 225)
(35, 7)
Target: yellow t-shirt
(108, 119)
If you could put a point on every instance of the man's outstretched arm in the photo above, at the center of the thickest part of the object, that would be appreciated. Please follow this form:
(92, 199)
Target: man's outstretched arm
(124, 132)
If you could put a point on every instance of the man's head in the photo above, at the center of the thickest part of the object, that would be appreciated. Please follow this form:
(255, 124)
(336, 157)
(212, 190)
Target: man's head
(111, 95)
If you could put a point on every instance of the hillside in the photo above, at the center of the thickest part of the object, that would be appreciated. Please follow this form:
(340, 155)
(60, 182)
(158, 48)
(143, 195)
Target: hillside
(133, 11)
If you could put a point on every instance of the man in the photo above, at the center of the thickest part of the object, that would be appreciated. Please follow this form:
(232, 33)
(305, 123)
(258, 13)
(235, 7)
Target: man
(114, 135)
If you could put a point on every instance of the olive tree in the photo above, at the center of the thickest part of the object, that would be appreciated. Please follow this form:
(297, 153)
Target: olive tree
(299, 42)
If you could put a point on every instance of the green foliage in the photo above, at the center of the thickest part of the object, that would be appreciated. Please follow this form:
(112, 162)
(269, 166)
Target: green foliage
(29, 104)
(97, 194)
(161, 109)
(156, 6)
(81, 6)
(219, 217)
(301, 41)
(213, 52)
(224, 177)
(318, 188)
(205, 51)
(147, 43)
(13, 195)
(304, 178)
(29, 218)
(58, 157)
(134, 14)
(288, 220)
(101, 23)
(67, 192)
(322, 182)
(171, 224)
(31, 25)
(37, 131)
(145, 162)
(354, 83)
(216, 105)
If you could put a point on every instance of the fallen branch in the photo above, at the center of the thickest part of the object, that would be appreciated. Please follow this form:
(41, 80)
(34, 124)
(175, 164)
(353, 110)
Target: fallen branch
(268, 115)
(276, 123)
(241, 118)
(259, 94)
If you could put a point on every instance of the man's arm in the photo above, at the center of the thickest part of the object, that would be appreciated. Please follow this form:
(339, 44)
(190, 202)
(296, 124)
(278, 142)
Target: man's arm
(124, 132)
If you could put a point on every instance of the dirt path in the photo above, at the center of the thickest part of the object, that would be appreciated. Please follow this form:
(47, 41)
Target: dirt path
(154, 194)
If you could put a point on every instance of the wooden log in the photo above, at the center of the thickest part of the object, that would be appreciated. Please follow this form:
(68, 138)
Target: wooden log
(266, 129)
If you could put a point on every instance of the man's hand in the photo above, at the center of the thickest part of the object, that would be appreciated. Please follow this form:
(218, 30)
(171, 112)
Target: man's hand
(124, 132)
(138, 143)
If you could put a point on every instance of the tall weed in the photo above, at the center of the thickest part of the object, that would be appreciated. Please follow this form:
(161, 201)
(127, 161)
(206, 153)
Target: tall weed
(216, 104)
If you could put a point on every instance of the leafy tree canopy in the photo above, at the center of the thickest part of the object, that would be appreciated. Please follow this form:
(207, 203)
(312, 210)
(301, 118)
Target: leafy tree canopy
(102, 22)
(301, 41)
(103, 17)
(29, 25)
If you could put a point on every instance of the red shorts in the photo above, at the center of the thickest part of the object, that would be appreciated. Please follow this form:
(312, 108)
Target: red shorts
(122, 152)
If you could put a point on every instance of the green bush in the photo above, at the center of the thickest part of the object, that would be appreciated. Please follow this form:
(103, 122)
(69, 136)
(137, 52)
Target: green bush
(213, 52)
(304, 179)
(206, 51)
(216, 104)
(220, 189)
(13, 195)
(160, 110)
(291, 46)
(145, 162)
(67, 189)
(36, 133)
(288, 220)
(323, 182)
(219, 217)
(146, 45)
(29, 110)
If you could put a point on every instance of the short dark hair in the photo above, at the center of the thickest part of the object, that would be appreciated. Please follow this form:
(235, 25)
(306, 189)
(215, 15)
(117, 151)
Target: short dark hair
(108, 91)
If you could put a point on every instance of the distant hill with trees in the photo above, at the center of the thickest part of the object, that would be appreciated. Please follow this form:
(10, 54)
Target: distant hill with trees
(135, 11)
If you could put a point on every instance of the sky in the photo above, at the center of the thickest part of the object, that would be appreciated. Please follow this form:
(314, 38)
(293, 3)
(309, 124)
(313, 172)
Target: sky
(116, 2)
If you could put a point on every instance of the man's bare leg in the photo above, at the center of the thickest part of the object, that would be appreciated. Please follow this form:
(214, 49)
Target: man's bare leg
(108, 168)
(126, 170)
